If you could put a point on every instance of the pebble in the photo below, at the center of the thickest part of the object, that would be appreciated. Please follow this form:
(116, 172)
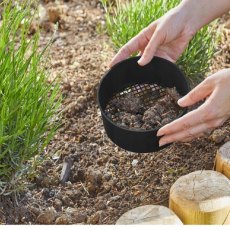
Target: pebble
(218, 136)
(79, 217)
(115, 198)
(45, 182)
(134, 162)
(57, 204)
(47, 217)
(94, 219)
(95, 177)
(100, 205)
(55, 13)
(67, 201)
(63, 219)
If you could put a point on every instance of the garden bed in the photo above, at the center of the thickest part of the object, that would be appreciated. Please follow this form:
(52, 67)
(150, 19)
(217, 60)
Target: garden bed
(105, 181)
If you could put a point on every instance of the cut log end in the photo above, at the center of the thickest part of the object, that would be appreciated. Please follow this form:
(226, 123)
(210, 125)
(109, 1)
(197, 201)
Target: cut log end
(201, 197)
(149, 214)
(222, 162)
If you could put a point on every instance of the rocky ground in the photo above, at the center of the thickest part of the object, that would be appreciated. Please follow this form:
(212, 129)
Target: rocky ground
(87, 179)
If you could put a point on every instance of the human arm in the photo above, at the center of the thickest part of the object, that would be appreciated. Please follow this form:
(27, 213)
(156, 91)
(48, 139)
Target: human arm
(169, 35)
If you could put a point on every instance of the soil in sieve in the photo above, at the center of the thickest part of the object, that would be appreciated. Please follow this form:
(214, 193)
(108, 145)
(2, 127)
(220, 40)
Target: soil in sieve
(131, 111)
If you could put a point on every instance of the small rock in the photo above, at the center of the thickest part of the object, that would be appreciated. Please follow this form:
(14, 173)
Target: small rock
(35, 211)
(79, 217)
(55, 12)
(45, 182)
(47, 217)
(57, 204)
(94, 219)
(134, 162)
(100, 205)
(107, 176)
(115, 198)
(95, 177)
(66, 169)
(63, 219)
(218, 136)
(48, 193)
(67, 201)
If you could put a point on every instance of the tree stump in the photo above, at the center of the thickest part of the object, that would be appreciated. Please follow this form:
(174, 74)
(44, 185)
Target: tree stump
(223, 160)
(149, 214)
(201, 197)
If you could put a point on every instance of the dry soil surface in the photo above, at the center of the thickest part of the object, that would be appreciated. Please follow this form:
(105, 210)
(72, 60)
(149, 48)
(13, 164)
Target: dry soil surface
(102, 180)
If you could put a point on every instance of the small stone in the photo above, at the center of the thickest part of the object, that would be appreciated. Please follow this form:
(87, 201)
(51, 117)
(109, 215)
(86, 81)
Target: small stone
(67, 201)
(47, 217)
(94, 219)
(57, 204)
(94, 176)
(63, 219)
(45, 182)
(134, 162)
(48, 193)
(35, 211)
(100, 205)
(79, 217)
(218, 136)
(115, 198)
(107, 176)
(55, 13)
(66, 169)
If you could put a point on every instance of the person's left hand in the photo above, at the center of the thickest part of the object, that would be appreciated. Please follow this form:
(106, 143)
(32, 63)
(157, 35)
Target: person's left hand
(211, 114)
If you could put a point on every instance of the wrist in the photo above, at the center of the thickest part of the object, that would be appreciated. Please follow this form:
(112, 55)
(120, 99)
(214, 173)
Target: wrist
(191, 14)
(203, 12)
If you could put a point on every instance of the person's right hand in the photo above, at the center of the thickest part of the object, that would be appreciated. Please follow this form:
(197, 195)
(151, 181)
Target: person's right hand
(166, 37)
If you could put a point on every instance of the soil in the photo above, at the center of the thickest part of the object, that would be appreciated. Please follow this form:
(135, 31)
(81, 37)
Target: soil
(86, 179)
(132, 112)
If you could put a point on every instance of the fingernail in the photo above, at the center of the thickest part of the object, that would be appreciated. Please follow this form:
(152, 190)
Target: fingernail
(180, 101)
(160, 133)
(111, 64)
(140, 62)
(161, 143)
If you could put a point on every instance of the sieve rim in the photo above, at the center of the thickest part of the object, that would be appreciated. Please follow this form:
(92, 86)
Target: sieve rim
(135, 130)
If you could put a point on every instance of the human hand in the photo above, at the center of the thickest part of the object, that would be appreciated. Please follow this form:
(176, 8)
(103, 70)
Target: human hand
(211, 114)
(166, 37)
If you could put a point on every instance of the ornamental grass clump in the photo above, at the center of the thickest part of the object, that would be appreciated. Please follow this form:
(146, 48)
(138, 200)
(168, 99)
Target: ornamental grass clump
(28, 103)
(125, 19)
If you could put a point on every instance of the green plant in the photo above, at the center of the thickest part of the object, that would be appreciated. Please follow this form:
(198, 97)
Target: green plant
(126, 19)
(28, 103)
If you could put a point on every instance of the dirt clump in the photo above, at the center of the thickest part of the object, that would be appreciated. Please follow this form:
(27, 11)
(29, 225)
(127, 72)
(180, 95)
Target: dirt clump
(131, 112)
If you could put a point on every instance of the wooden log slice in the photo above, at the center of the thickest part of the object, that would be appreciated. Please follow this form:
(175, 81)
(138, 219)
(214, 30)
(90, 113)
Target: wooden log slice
(149, 214)
(222, 162)
(201, 197)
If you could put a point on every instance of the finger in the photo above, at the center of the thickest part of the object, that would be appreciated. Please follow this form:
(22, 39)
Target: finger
(163, 54)
(151, 48)
(135, 44)
(200, 92)
(190, 119)
(205, 113)
(190, 134)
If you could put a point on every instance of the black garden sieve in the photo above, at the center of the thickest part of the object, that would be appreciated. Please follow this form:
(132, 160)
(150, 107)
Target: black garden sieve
(148, 82)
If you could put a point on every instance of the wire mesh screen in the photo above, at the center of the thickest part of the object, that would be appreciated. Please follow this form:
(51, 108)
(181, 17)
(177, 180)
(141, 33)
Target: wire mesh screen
(145, 94)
